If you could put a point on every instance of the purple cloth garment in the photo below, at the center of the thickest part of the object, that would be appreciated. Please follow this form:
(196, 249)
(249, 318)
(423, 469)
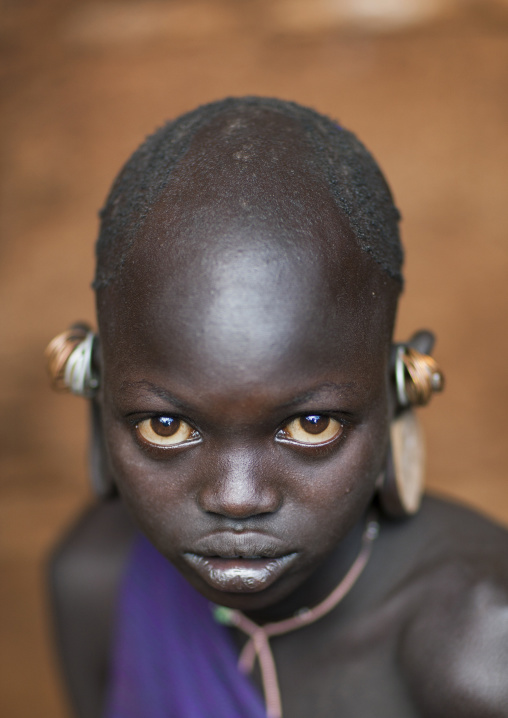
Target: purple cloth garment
(170, 658)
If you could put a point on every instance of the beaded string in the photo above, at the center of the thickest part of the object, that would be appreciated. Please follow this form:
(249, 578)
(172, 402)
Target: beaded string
(258, 645)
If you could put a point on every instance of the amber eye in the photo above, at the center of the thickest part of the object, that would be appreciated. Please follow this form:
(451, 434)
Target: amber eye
(166, 431)
(312, 429)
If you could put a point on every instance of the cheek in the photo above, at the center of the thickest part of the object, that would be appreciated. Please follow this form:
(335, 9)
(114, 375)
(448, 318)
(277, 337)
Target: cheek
(332, 494)
(151, 489)
(364, 460)
(353, 469)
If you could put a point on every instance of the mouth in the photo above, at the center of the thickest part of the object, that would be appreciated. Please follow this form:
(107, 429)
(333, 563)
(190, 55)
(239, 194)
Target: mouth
(240, 574)
(239, 565)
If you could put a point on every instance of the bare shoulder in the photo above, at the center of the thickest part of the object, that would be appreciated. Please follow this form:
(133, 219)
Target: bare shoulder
(85, 571)
(454, 646)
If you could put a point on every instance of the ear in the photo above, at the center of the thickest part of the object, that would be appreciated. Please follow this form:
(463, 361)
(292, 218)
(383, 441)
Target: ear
(101, 476)
(423, 341)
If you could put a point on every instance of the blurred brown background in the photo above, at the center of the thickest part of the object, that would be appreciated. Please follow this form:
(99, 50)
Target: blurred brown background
(423, 83)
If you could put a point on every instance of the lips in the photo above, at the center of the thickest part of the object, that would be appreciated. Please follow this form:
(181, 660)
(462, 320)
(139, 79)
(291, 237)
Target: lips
(245, 563)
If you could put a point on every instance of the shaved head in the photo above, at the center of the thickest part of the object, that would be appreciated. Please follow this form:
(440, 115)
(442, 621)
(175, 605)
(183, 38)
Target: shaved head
(247, 248)
(277, 151)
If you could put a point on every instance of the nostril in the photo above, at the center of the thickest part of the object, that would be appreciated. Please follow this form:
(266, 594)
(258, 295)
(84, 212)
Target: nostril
(239, 514)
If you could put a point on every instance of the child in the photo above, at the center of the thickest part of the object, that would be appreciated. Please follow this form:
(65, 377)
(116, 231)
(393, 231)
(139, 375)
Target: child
(253, 414)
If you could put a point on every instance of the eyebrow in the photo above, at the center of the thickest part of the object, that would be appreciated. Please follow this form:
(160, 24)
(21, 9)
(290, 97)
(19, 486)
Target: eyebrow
(313, 393)
(144, 384)
(129, 386)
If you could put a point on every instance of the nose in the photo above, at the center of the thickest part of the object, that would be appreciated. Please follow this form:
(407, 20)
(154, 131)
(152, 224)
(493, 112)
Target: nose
(238, 487)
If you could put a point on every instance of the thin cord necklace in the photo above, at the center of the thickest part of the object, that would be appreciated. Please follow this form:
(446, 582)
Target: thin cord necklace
(258, 645)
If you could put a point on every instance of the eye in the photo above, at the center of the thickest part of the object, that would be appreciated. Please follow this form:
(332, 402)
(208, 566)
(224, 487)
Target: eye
(313, 429)
(166, 431)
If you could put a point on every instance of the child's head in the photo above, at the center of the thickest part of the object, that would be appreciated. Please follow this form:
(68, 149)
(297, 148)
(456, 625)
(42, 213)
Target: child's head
(247, 281)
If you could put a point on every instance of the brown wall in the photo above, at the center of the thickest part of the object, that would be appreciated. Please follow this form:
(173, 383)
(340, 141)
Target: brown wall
(84, 82)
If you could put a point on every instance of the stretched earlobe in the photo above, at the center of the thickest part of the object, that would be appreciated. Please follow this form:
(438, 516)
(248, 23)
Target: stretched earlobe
(416, 376)
(70, 361)
(73, 367)
(101, 477)
(401, 488)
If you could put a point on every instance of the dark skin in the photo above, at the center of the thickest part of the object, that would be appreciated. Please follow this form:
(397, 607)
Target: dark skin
(245, 315)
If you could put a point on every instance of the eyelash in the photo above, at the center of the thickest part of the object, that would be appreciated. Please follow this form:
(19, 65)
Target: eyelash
(196, 437)
(309, 445)
(150, 446)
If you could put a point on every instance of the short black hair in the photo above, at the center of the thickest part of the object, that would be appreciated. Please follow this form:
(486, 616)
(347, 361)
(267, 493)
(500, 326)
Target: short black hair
(355, 181)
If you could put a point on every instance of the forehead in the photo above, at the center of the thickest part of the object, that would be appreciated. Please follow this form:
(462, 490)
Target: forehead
(246, 259)
(247, 309)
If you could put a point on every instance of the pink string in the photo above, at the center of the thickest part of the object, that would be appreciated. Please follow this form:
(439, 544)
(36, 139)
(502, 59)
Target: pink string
(258, 645)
